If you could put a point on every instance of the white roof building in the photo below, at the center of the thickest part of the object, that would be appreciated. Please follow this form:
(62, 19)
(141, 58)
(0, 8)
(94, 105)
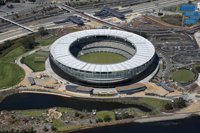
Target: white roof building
(144, 51)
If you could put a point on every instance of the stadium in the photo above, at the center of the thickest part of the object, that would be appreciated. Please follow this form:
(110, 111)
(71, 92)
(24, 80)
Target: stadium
(103, 57)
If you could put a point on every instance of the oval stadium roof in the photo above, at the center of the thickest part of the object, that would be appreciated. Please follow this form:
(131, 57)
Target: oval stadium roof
(144, 51)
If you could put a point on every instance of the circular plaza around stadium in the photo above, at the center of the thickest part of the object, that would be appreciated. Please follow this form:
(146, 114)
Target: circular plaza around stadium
(103, 56)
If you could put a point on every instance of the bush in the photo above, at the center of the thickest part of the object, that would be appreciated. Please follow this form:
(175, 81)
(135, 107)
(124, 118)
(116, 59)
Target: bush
(28, 42)
(168, 106)
(45, 129)
(179, 103)
(53, 128)
(107, 118)
(99, 120)
(43, 31)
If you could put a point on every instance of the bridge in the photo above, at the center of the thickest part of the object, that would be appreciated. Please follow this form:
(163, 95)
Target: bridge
(17, 24)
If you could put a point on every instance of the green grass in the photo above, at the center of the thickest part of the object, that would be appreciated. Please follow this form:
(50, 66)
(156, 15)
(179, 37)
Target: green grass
(156, 105)
(46, 41)
(33, 112)
(63, 110)
(35, 61)
(10, 74)
(102, 58)
(102, 114)
(183, 75)
(12, 55)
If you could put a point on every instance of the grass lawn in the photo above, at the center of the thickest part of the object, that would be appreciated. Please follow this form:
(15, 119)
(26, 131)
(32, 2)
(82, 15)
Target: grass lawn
(10, 74)
(183, 75)
(12, 55)
(102, 114)
(46, 41)
(63, 110)
(35, 61)
(102, 58)
(33, 112)
(156, 105)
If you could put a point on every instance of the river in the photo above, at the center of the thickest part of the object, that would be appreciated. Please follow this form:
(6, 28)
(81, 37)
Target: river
(42, 101)
(188, 125)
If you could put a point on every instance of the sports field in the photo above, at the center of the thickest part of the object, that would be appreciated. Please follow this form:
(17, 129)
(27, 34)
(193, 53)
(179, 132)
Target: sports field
(183, 75)
(102, 58)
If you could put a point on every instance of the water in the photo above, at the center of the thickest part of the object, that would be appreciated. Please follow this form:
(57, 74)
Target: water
(189, 125)
(42, 101)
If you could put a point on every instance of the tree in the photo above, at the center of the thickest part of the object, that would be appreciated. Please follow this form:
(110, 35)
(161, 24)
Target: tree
(7, 44)
(53, 128)
(43, 31)
(179, 103)
(168, 106)
(28, 42)
(99, 120)
(45, 129)
(2, 2)
(107, 118)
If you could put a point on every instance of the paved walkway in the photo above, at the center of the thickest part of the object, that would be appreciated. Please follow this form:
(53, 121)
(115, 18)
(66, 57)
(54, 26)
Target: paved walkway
(28, 71)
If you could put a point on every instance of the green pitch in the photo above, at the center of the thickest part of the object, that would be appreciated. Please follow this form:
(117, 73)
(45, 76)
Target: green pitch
(183, 75)
(102, 58)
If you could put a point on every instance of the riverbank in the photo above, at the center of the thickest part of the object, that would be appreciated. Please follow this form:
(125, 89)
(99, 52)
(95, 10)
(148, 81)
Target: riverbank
(135, 121)
(189, 124)
(79, 114)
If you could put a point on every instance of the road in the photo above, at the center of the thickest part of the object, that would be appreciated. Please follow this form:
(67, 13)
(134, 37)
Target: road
(49, 25)
(19, 32)
(17, 24)
(136, 9)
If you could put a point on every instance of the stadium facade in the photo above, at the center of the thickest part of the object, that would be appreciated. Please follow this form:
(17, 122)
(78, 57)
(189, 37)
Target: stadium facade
(139, 53)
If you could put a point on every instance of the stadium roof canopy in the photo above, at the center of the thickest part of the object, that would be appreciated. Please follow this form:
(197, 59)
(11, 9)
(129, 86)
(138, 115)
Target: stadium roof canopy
(144, 51)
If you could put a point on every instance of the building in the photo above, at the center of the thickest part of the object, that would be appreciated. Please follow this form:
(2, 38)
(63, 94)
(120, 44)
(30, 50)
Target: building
(187, 7)
(106, 11)
(190, 13)
(139, 53)
(79, 89)
(198, 6)
(130, 89)
(74, 19)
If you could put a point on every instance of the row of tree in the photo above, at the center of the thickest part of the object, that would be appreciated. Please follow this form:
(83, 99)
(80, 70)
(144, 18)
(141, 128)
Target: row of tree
(29, 42)
(178, 103)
